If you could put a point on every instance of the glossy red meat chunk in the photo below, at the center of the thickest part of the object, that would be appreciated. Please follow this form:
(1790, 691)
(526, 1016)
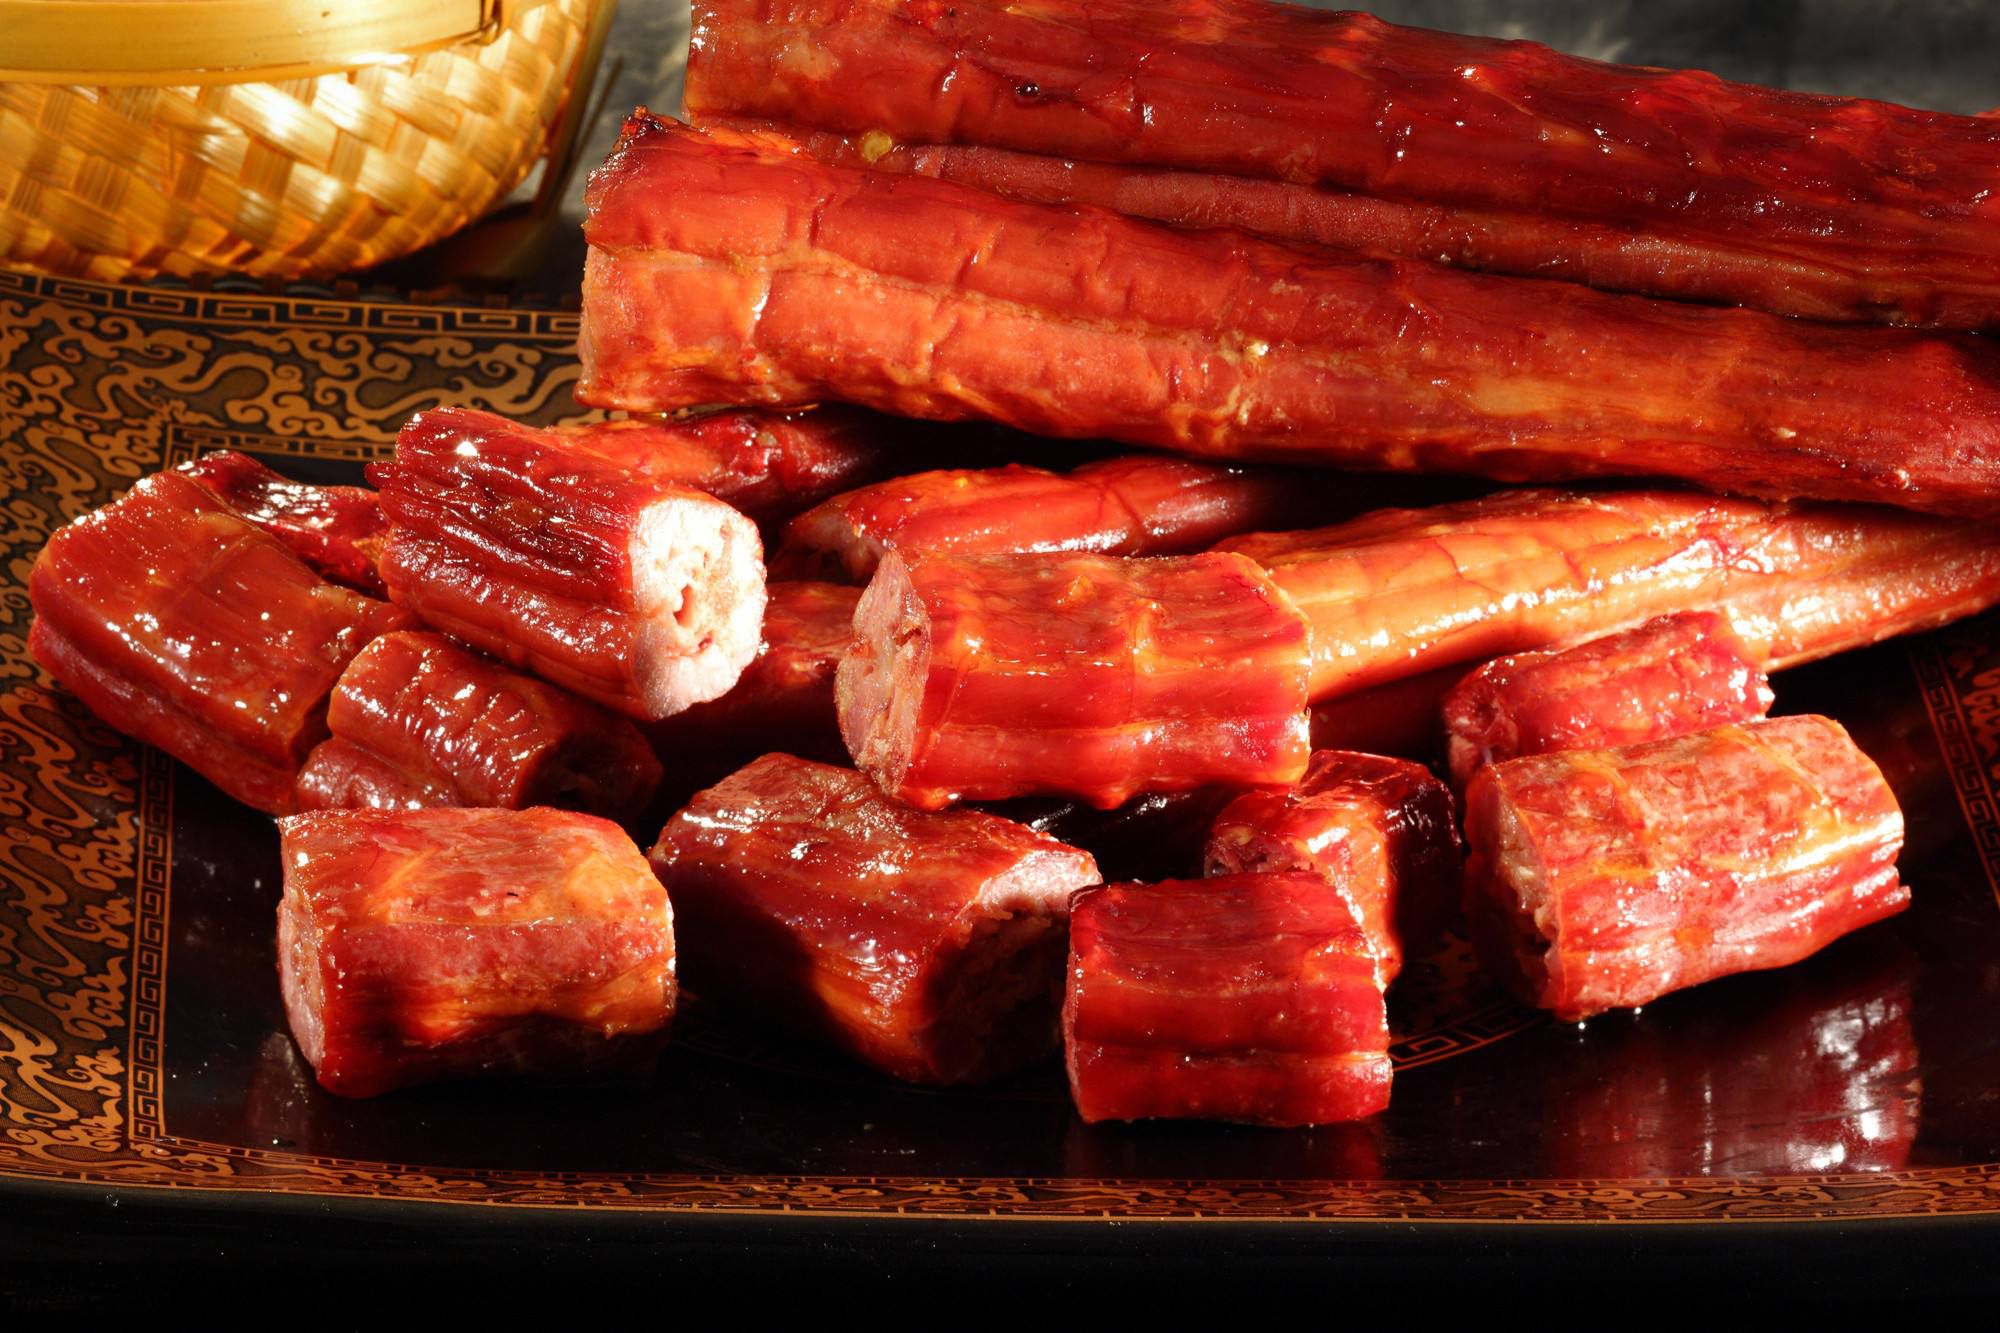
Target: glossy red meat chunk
(986, 677)
(1138, 505)
(429, 944)
(784, 698)
(456, 728)
(1401, 592)
(1497, 155)
(338, 530)
(768, 465)
(928, 945)
(643, 595)
(1667, 677)
(1253, 998)
(1604, 879)
(1379, 832)
(185, 626)
(727, 266)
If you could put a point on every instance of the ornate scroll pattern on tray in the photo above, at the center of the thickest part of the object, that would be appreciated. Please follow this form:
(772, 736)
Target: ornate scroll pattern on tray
(100, 384)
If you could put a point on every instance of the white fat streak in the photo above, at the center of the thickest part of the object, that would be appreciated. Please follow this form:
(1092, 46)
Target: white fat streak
(698, 578)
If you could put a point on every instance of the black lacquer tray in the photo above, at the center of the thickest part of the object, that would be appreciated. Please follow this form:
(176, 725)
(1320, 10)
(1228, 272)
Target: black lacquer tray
(154, 1113)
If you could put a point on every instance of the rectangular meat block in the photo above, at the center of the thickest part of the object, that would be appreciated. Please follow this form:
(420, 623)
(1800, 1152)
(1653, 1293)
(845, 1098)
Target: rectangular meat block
(644, 595)
(1142, 504)
(928, 945)
(1380, 832)
(1254, 998)
(457, 725)
(1668, 677)
(1604, 879)
(178, 622)
(987, 677)
(431, 944)
(1500, 155)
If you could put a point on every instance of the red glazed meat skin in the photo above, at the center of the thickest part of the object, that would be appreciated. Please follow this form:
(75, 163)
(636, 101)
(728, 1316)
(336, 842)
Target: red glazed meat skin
(1604, 879)
(928, 945)
(1138, 505)
(726, 265)
(989, 677)
(458, 725)
(431, 944)
(769, 465)
(784, 698)
(184, 626)
(1252, 998)
(1379, 832)
(1402, 592)
(1500, 155)
(642, 595)
(1668, 677)
(338, 530)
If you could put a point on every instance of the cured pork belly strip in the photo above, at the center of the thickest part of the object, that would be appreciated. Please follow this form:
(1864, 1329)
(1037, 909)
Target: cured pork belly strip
(988, 677)
(1404, 591)
(1252, 998)
(429, 944)
(1378, 832)
(1138, 505)
(1604, 879)
(1499, 155)
(769, 465)
(1667, 677)
(183, 625)
(726, 265)
(338, 530)
(458, 725)
(928, 945)
(784, 698)
(641, 594)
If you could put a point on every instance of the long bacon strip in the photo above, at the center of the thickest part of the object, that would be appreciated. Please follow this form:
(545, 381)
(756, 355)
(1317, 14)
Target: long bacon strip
(1498, 155)
(731, 266)
(1404, 591)
(1138, 505)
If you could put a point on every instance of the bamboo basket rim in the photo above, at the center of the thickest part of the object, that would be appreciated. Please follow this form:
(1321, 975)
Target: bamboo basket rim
(114, 43)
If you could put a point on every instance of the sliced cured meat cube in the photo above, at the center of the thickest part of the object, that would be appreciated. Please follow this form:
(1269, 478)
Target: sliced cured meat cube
(432, 944)
(1254, 998)
(988, 677)
(928, 945)
(185, 626)
(1604, 879)
(1380, 832)
(643, 595)
(1667, 677)
(461, 727)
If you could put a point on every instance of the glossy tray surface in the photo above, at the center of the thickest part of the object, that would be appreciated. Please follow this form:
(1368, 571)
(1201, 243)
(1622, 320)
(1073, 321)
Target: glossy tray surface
(143, 1045)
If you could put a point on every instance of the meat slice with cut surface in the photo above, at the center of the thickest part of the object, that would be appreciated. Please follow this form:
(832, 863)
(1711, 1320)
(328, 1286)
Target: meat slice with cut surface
(928, 945)
(429, 944)
(645, 596)
(1253, 998)
(1604, 879)
(1667, 677)
(1380, 832)
(460, 729)
(987, 677)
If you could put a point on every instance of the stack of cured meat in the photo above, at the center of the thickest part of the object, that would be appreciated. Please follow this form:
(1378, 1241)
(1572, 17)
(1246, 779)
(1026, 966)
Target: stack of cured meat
(931, 708)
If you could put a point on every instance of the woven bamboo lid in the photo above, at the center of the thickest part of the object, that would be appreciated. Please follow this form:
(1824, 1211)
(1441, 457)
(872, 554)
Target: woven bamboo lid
(109, 43)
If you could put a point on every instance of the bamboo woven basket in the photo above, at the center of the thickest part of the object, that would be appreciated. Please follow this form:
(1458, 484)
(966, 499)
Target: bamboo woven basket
(280, 138)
